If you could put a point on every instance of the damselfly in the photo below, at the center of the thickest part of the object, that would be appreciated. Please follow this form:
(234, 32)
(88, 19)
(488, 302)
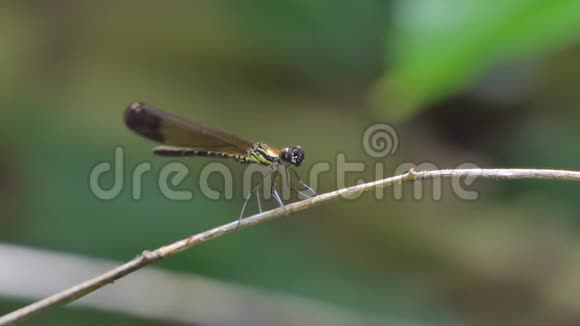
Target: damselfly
(185, 138)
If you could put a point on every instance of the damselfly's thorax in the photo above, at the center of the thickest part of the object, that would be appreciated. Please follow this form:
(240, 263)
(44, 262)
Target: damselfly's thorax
(265, 154)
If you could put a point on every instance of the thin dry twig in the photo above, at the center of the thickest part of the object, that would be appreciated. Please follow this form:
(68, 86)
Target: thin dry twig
(149, 257)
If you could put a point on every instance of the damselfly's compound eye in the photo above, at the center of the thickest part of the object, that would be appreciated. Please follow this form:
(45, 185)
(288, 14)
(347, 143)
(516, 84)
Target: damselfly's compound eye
(296, 155)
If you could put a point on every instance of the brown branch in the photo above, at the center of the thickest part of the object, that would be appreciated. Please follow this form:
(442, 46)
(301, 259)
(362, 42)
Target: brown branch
(149, 257)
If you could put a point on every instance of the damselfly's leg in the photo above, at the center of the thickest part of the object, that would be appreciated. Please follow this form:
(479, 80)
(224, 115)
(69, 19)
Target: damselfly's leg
(278, 199)
(298, 192)
(273, 189)
(255, 187)
(274, 192)
(243, 209)
(314, 193)
(259, 202)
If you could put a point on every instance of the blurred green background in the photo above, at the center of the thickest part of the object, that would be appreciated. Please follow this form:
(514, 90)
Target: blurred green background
(493, 83)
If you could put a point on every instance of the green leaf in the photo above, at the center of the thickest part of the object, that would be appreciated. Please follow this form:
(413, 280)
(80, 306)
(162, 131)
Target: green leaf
(438, 47)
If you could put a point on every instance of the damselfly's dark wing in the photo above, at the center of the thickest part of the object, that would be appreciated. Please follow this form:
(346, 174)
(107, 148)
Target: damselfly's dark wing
(171, 130)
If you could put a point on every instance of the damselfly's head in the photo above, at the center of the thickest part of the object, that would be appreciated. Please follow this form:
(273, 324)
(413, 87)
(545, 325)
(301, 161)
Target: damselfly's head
(293, 155)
